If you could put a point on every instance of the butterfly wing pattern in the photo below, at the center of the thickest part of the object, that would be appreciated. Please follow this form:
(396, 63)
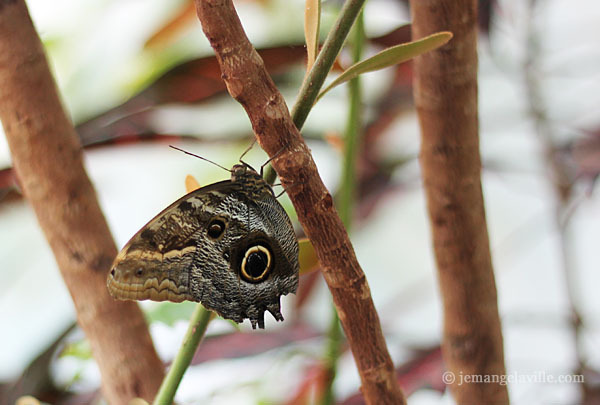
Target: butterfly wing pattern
(229, 245)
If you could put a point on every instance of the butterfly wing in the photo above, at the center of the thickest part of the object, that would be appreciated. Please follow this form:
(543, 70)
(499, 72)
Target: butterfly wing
(261, 251)
(156, 262)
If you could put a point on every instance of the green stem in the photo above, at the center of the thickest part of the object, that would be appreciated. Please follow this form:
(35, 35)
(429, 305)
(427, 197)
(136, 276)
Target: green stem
(331, 48)
(334, 349)
(346, 199)
(314, 81)
(353, 132)
(182, 361)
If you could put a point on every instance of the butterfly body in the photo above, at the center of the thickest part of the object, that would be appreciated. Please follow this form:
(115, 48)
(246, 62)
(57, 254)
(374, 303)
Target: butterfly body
(229, 245)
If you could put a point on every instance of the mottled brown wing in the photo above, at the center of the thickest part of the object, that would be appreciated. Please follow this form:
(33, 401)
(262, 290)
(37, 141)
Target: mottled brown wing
(155, 263)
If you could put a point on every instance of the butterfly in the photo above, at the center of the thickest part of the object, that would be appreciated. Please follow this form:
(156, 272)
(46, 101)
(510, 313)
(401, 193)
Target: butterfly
(230, 246)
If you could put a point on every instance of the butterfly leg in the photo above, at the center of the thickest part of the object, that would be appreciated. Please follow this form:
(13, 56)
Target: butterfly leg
(271, 158)
(286, 189)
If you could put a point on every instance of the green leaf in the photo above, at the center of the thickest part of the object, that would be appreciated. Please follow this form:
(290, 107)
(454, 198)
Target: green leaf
(389, 57)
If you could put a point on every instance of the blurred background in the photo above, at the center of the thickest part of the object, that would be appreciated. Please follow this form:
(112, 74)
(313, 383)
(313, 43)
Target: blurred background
(138, 75)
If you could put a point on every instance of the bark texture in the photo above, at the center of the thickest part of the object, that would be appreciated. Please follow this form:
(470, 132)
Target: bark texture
(248, 82)
(446, 98)
(48, 161)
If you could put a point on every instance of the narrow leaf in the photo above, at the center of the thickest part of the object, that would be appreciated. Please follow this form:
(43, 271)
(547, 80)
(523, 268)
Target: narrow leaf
(312, 20)
(390, 56)
(174, 27)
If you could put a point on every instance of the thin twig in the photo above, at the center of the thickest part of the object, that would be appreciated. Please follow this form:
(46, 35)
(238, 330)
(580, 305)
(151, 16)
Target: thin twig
(196, 328)
(318, 73)
(331, 48)
(346, 198)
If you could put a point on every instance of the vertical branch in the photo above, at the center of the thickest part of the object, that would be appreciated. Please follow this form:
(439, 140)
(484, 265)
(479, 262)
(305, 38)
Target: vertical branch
(248, 82)
(446, 99)
(48, 161)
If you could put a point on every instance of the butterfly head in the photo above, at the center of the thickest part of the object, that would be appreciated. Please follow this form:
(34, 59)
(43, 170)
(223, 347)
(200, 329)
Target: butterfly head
(250, 179)
(242, 171)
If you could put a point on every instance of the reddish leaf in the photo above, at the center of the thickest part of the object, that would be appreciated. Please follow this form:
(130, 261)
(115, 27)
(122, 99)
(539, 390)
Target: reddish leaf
(312, 386)
(241, 344)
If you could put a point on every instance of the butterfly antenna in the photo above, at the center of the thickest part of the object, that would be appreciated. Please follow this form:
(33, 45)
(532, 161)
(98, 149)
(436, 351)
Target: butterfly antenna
(247, 150)
(199, 157)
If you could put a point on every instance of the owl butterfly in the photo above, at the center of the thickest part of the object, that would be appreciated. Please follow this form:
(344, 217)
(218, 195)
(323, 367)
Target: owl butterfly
(229, 245)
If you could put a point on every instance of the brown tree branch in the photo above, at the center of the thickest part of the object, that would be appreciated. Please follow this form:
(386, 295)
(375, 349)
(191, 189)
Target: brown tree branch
(248, 82)
(48, 161)
(446, 98)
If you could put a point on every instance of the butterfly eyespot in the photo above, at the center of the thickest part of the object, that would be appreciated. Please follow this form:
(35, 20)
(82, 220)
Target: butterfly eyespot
(216, 227)
(256, 264)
